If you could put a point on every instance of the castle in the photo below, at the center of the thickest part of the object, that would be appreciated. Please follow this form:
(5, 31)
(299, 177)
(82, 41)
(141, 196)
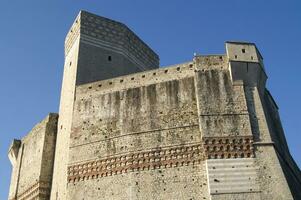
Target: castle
(127, 129)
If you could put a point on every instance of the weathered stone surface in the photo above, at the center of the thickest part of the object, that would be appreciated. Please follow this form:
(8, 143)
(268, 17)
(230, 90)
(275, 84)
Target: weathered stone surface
(205, 129)
(32, 169)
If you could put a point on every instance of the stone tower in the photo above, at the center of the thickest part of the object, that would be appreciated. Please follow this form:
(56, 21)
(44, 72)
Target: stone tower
(96, 48)
(204, 129)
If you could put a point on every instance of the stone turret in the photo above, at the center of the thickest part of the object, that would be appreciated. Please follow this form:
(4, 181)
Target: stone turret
(13, 151)
(246, 64)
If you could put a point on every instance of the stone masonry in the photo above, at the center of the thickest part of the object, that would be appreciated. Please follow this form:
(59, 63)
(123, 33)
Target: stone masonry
(127, 129)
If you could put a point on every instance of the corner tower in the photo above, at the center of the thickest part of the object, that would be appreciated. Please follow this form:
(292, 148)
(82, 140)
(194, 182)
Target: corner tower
(96, 48)
(279, 174)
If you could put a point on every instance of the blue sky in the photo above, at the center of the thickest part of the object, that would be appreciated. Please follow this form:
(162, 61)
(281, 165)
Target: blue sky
(32, 37)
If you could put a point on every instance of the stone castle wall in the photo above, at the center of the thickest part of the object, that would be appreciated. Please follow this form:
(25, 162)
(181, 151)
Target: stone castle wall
(141, 127)
(204, 129)
(34, 162)
(138, 134)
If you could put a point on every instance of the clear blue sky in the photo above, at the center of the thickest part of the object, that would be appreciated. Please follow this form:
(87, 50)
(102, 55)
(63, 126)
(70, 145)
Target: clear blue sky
(32, 38)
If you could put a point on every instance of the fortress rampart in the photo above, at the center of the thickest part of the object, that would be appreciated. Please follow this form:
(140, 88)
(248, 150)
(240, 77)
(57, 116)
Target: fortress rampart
(203, 129)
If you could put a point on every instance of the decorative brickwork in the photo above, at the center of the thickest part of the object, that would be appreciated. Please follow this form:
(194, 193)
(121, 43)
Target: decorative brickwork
(140, 161)
(39, 189)
(229, 147)
(217, 147)
(177, 132)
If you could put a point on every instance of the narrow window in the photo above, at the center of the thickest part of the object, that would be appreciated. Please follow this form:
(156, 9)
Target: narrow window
(243, 51)
(235, 56)
(109, 58)
(70, 63)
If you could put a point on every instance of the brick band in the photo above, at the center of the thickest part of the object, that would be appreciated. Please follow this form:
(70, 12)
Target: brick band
(140, 161)
(39, 189)
(229, 147)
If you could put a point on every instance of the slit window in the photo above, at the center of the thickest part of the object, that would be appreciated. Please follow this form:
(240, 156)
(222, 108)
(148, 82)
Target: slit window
(109, 58)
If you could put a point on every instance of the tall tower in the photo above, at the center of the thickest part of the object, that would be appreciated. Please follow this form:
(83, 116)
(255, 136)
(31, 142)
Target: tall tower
(96, 48)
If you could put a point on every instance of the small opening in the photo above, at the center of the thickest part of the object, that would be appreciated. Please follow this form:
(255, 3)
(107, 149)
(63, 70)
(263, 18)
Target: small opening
(109, 58)
(90, 87)
(178, 68)
(110, 83)
(243, 51)
(251, 57)
(143, 76)
(121, 80)
(70, 63)
(99, 85)
(132, 78)
(235, 56)
(154, 73)
(166, 71)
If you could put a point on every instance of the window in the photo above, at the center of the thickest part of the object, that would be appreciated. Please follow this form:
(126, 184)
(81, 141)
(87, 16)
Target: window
(243, 51)
(109, 58)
